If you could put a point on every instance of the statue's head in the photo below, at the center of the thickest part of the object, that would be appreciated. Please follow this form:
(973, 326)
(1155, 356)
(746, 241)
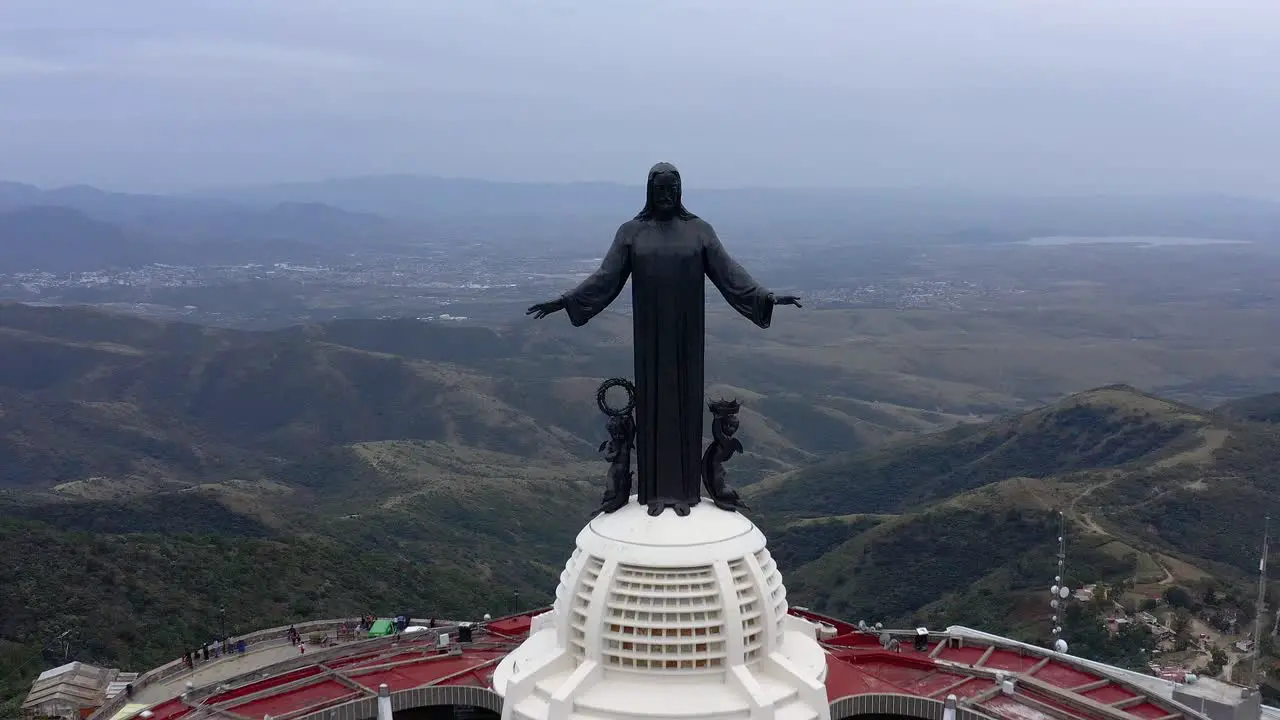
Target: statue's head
(619, 427)
(724, 413)
(663, 196)
(731, 424)
(664, 190)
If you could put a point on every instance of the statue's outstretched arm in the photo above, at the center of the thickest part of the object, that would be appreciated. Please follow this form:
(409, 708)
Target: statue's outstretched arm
(737, 286)
(603, 286)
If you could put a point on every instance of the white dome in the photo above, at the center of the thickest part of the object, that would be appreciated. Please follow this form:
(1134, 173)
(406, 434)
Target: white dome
(644, 601)
(671, 593)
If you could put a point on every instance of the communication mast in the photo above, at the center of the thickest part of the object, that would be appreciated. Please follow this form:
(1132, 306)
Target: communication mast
(1059, 592)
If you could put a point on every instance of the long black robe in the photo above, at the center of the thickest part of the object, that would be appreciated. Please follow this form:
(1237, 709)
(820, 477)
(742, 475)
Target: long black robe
(667, 261)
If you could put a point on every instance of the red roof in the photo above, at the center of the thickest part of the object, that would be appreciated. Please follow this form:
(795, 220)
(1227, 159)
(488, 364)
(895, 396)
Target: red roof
(1045, 684)
(409, 664)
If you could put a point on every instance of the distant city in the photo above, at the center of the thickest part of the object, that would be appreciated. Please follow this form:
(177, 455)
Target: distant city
(430, 287)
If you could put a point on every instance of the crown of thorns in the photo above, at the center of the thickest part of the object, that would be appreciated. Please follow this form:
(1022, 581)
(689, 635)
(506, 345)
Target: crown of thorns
(602, 397)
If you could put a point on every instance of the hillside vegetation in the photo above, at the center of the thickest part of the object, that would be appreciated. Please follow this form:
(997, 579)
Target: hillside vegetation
(1108, 427)
(138, 599)
(962, 526)
(89, 395)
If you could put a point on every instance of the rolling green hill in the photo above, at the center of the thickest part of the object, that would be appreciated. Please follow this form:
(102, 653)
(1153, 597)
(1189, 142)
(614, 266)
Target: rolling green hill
(141, 598)
(1114, 426)
(961, 526)
(918, 567)
(87, 395)
(387, 527)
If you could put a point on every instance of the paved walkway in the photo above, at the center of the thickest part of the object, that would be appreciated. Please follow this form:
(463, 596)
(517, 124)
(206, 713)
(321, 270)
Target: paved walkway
(214, 671)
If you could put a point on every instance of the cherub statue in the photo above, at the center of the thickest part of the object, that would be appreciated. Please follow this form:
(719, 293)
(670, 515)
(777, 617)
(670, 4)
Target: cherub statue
(724, 423)
(617, 450)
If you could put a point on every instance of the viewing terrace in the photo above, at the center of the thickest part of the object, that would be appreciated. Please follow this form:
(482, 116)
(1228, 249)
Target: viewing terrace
(979, 676)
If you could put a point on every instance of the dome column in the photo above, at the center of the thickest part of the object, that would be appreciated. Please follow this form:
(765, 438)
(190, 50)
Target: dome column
(734, 646)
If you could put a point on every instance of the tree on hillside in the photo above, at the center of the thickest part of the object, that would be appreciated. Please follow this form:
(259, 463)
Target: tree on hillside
(1181, 621)
(1179, 597)
(1217, 661)
(1267, 648)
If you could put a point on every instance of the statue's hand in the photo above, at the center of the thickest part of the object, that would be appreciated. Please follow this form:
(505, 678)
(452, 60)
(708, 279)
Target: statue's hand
(786, 300)
(542, 310)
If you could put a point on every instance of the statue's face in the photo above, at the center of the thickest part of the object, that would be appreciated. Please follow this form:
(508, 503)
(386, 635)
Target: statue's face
(731, 424)
(620, 427)
(666, 192)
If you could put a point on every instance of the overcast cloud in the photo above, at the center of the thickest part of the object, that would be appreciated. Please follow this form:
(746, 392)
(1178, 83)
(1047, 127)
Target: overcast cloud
(1076, 96)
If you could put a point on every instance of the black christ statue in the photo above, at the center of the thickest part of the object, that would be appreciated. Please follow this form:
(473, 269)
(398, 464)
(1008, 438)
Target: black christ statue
(667, 252)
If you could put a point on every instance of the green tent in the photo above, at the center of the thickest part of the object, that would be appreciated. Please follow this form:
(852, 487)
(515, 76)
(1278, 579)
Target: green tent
(382, 628)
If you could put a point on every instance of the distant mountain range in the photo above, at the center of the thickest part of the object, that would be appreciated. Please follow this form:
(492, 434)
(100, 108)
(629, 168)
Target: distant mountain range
(83, 228)
(351, 210)
(936, 214)
(105, 205)
(60, 239)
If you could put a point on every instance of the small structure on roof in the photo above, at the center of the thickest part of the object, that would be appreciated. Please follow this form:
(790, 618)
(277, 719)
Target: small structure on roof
(1218, 699)
(69, 691)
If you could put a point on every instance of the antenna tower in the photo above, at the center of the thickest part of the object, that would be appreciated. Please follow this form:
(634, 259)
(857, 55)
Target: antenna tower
(1059, 591)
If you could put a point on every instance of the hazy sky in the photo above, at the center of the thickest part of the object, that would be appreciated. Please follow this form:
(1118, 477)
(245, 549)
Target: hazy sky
(1041, 95)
